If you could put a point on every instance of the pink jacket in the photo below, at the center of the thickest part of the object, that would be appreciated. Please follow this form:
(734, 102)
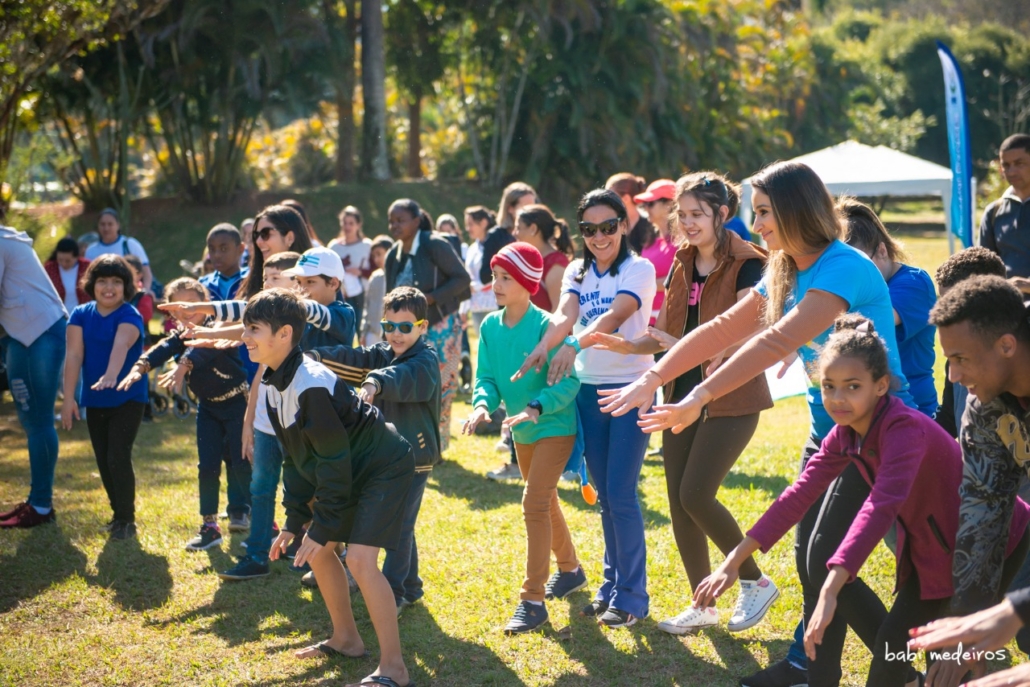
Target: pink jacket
(914, 468)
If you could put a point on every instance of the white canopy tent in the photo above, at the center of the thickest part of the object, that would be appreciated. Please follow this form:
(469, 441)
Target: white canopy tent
(856, 169)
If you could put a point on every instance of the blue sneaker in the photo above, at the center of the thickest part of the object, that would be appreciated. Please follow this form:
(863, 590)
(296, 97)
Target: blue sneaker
(528, 617)
(562, 584)
(247, 568)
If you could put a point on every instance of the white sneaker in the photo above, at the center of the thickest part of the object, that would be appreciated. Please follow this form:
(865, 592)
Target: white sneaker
(508, 471)
(690, 621)
(756, 597)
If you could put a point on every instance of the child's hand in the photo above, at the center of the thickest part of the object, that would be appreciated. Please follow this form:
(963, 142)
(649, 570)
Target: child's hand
(248, 442)
(477, 416)
(713, 586)
(69, 411)
(135, 374)
(309, 548)
(280, 545)
(535, 360)
(816, 626)
(173, 378)
(201, 332)
(367, 393)
(177, 310)
(527, 415)
(106, 381)
(217, 344)
(610, 342)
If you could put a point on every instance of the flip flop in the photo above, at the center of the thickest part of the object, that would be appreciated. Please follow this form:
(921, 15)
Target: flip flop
(326, 650)
(384, 681)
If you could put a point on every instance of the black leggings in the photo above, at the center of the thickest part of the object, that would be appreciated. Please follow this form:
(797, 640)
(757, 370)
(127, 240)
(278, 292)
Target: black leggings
(819, 534)
(112, 431)
(696, 462)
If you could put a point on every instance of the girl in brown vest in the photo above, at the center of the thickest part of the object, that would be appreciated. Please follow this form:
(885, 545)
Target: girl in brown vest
(713, 269)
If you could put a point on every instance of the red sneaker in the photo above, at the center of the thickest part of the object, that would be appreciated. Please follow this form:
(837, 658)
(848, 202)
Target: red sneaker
(29, 518)
(7, 515)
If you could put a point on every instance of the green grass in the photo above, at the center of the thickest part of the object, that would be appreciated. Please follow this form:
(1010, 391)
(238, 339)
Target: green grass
(78, 610)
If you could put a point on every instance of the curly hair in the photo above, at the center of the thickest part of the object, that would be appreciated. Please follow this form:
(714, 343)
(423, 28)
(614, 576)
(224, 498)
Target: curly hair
(971, 262)
(992, 307)
(855, 337)
(185, 284)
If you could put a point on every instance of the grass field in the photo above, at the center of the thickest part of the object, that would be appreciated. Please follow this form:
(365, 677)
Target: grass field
(76, 609)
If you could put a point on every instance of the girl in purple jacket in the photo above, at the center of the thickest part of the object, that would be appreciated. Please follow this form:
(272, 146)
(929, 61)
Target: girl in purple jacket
(913, 469)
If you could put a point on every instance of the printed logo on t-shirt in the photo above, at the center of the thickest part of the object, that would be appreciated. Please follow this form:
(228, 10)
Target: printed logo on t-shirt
(597, 306)
(696, 288)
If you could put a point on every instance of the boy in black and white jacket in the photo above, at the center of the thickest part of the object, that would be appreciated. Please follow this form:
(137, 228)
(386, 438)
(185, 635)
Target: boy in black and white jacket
(342, 457)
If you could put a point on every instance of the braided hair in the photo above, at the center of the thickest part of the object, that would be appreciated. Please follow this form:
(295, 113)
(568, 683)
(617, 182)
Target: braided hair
(855, 337)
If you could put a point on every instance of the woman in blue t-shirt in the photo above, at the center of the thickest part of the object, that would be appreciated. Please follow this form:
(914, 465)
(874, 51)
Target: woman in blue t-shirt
(812, 276)
(912, 295)
(105, 338)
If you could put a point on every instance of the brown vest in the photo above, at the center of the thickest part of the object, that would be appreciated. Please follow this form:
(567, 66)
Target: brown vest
(719, 295)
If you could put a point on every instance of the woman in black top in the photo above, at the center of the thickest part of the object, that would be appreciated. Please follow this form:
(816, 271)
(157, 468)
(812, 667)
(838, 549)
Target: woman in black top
(426, 261)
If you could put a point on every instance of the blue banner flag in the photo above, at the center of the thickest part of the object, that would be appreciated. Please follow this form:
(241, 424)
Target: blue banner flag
(958, 146)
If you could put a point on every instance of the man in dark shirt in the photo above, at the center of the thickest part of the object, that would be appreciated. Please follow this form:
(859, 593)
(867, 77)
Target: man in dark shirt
(1005, 227)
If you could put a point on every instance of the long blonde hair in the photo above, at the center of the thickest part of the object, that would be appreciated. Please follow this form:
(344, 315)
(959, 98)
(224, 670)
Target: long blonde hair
(806, 219)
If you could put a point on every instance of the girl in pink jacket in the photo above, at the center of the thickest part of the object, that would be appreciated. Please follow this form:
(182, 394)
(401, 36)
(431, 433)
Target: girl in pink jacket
(913, 469)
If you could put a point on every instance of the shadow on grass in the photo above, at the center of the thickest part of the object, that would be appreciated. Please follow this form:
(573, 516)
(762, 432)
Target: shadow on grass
(140, 580)
(43, 557)
(774, 484)
(453, 480)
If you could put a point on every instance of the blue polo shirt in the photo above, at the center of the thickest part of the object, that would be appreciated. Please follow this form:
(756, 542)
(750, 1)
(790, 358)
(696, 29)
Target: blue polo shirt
(221, 287)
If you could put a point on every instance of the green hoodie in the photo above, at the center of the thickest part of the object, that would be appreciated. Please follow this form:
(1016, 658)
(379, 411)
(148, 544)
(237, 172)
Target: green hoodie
(502, 350)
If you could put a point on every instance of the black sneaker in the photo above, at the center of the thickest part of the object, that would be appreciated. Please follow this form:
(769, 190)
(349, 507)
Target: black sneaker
(562, 584)
(613, 617)
(209, 536)
(594, 609)
(781, 674)
(528, 617)
(122, 529)
(247, 568)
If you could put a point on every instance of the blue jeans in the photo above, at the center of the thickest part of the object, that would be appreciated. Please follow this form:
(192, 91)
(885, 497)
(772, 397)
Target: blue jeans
(614, 451)
(34, 373)
(220, 439)
(264, 484)
(576, 457)
(401, 566)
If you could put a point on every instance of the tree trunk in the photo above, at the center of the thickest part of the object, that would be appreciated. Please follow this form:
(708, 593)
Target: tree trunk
(342, 38)
(415, 135)
(375, 162)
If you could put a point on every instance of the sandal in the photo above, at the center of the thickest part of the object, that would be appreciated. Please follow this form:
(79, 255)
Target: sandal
(384, 681)
(326, 650)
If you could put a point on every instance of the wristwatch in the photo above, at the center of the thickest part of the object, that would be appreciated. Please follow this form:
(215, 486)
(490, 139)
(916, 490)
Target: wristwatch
(570, 340)
(537, 406)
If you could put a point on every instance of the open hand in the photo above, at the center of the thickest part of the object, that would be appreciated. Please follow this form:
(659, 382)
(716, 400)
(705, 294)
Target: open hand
(675, 416)
(1013, 677)
(713, 586)
(69, 412)
(106, 381)
(639, 394)
(561, 365)
(135, 374)
(281, 543)
(367, 393)
(815, 628)
(309, 548)
(612, 342)
(536, 360)
(527, 415)
(478, 415)
(664, 339)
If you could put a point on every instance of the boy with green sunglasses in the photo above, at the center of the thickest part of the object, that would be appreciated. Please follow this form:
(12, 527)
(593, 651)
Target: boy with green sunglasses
(401, 376)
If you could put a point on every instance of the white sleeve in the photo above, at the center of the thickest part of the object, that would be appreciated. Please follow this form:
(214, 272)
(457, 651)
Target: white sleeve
(637, 279)
(136, 248)
(568, 280)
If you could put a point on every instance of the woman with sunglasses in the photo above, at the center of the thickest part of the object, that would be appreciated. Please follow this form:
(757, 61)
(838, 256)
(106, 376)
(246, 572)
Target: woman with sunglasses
(610, 289)
(427, 262)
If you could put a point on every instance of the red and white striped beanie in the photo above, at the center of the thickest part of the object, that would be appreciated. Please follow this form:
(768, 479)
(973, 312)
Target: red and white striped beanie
(523, 262)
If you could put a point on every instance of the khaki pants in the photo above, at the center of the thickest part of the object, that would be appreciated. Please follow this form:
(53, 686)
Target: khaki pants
(541, 465)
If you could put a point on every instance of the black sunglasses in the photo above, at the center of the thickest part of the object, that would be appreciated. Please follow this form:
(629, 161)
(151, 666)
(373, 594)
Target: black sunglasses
(264, 233)
(607, 227)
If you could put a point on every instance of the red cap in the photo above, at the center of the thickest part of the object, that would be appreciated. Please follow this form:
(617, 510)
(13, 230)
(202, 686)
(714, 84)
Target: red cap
(523, 262)
(661, 189)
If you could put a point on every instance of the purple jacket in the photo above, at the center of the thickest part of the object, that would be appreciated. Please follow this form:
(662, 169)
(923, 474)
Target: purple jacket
(914, 468)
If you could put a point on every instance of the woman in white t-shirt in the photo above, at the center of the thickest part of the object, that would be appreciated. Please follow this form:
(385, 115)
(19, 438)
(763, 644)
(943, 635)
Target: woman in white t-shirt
(609, 290)
(354, 249)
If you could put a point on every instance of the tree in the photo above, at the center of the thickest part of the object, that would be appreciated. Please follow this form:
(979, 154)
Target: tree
(341, 23)
(415, 38)
(214, 66)
(35, 35)
(375, 161)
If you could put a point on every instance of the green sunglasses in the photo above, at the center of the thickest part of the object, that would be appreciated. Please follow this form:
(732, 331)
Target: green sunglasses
(404, 327)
